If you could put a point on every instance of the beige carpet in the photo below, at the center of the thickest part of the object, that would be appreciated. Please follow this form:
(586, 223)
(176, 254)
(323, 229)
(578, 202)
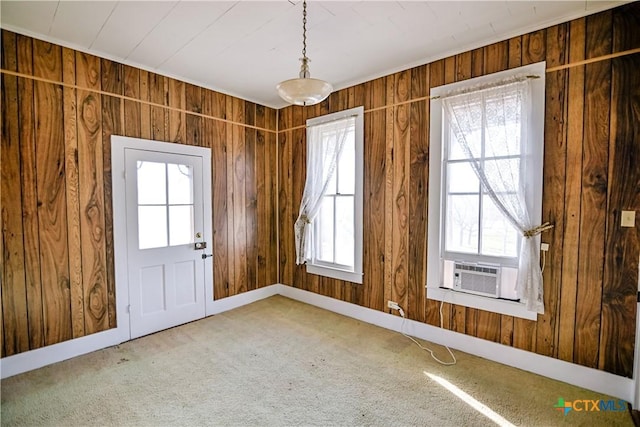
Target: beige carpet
(280, 362)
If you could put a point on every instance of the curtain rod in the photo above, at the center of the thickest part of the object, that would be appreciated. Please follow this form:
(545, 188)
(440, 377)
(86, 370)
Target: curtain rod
(504, 82)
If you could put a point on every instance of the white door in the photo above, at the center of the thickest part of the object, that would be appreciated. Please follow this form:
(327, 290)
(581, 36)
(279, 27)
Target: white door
(164, 216)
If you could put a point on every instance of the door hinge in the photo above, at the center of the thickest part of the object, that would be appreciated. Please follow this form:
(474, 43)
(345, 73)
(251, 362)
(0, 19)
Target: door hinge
(129, 309)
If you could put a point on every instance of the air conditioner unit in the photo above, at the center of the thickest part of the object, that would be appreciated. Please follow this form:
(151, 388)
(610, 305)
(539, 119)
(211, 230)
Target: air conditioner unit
(479, 279)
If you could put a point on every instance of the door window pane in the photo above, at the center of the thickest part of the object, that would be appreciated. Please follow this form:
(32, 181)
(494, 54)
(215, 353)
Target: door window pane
(180, 225)
(152, 227)
(180, 178)
(152, 188)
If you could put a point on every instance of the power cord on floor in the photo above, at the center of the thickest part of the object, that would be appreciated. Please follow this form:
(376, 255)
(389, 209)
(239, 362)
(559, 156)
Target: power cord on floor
(404, 318)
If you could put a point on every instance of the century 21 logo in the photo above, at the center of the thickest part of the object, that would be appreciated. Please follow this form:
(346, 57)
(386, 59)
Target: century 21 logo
(588, 405)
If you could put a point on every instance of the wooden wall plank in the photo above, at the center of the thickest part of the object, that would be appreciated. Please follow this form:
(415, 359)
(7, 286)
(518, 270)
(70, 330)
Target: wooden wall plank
(262, 201)
(573, 193)
(544, 339)
(239, 198)
(132, 109)
(72, 186)
(158, 94)
(29, 194)
(50, 173)
(92, 214)
(214, 136)
(594, 192)
(375, 172)
(418, 191)
(230, 193)
(145, 109)
(388, 192)
(193, 123)
(534, 46)
(271, 195)
(285, 191)
(176, 98)
(112, 124)
(251, 196)
(14, 292)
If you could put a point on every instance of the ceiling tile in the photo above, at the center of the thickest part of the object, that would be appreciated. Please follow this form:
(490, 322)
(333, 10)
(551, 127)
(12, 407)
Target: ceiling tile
(129, 24)
(79, 23)
(245, 48)
(186, 21)
(36, 16)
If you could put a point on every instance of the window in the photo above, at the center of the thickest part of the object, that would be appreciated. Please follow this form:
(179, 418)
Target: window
(485, 191)
(329, 229)
(165, 204)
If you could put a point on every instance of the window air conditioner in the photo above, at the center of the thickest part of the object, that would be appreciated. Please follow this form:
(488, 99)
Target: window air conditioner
(477, 279)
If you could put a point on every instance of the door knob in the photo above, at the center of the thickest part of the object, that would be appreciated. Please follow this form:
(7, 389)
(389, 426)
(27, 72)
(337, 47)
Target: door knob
(205, 256)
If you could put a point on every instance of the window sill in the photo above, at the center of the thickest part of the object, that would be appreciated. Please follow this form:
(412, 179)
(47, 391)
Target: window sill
(510, 308)
(334, 273)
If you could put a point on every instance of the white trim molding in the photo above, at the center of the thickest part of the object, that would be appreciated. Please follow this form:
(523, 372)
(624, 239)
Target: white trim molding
(636, 353)
(34, 359)
(581, 376)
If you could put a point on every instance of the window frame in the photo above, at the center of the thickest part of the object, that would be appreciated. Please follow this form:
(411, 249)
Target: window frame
(334, 270)
(438, 189)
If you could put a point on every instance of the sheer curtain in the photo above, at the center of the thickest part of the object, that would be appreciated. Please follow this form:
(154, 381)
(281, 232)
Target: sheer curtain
(324, 146)
(490, 124)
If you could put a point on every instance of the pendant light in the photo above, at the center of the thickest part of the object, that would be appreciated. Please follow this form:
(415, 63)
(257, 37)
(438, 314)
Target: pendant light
(304, 90)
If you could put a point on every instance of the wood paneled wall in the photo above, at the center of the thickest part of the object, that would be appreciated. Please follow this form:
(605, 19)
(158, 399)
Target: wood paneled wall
(591, 173)
(59, 109)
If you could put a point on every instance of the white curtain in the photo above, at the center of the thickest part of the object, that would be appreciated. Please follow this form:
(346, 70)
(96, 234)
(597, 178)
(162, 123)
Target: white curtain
(324, 146)
(492, 122)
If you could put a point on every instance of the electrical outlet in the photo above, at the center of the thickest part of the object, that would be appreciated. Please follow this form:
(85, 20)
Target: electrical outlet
(393, 305)
(544, 247)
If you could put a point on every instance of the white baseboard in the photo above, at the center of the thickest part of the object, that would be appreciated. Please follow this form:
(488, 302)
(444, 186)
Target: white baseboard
(592, 379)
(235, 301)
(581, 376)
(636, 357)
(34, 359)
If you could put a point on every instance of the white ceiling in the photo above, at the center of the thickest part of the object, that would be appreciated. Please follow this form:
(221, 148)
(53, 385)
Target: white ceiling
(244, 48)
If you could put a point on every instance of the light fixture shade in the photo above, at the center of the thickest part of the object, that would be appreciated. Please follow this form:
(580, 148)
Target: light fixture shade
(304, 91)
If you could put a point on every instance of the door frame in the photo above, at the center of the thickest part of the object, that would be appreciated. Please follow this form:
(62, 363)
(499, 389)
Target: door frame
(118, 190)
